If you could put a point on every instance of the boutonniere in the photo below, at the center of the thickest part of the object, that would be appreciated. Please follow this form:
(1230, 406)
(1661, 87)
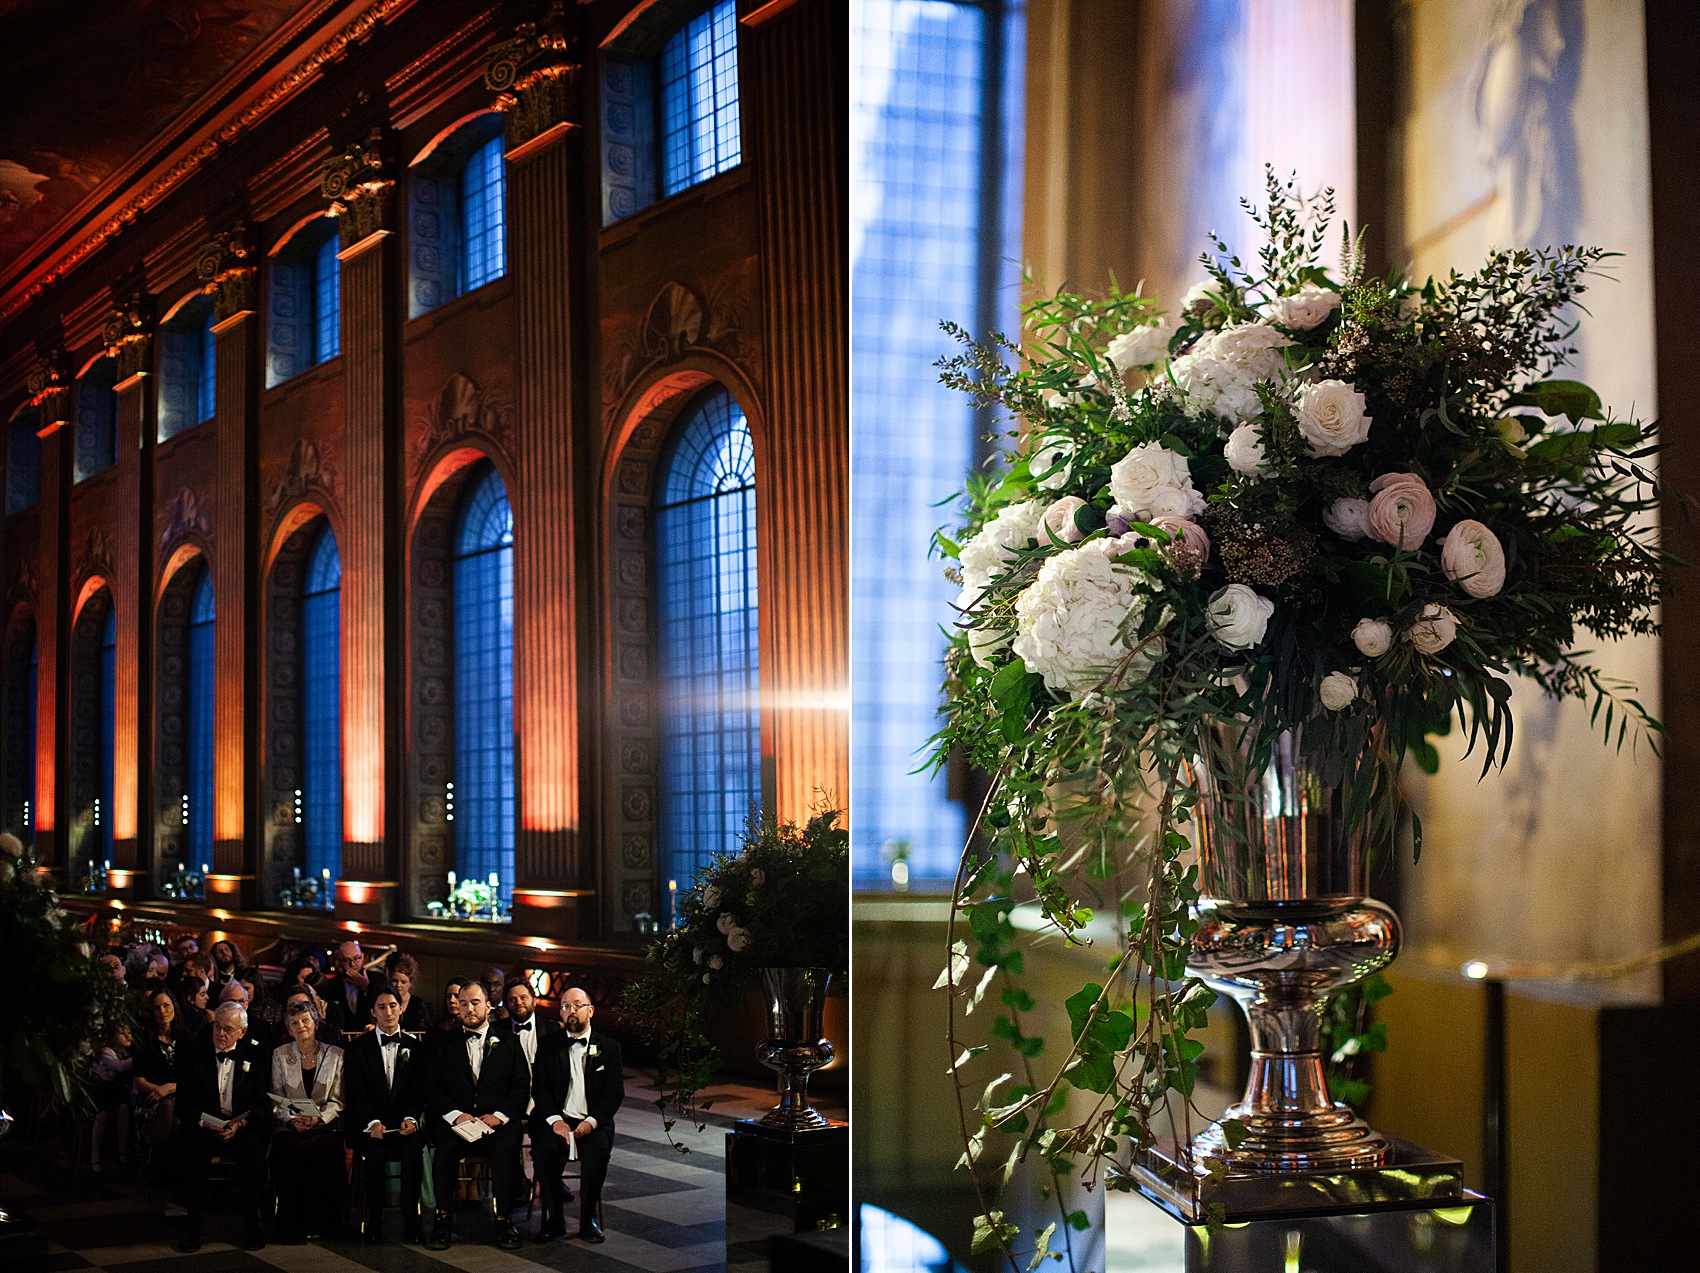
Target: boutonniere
(491, 1042)
(405, 1054)
(244, 1067)
(593, 1050)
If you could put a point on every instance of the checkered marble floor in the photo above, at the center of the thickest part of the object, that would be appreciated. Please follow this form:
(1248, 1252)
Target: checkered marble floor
(664, 1211)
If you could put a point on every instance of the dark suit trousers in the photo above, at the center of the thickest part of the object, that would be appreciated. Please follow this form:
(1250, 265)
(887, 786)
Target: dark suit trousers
(594, 1151)
(200, 1146)
(375, 1155)
(506, 1172)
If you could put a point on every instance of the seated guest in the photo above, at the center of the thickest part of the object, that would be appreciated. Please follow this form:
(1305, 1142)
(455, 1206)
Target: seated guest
(223, 1108)
(305, 967)
(580, 1083)
(348, 991)
(384, 1083)
(451, 1004)
(192, 993)
(532, 1029)
(148, 968)
(494, 980)
(111, 1094)
(186, 945)
(327, 1032)
(113, 966)
(154, 1074)
(404, 975)
(308, 1175)
(265, 1014)
(226, 961)
(478, 1077)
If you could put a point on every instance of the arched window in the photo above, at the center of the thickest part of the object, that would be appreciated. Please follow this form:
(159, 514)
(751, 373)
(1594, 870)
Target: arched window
(303, 327)
(23, 462)
(97, 419)
(198, 799)
(482, 573)
(187, 378)
(705, 548)
(483, 216)
(457, 216)
(321, 662)
(108, 748)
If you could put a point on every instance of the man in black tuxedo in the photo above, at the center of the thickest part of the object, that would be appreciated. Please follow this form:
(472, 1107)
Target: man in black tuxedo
(479, 1075)
(348, 991)
(532, 1029)
(224, 1076)
(579, 1083)
(383, 1083)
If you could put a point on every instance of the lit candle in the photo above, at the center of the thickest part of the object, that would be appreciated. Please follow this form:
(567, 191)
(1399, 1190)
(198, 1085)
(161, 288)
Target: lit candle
(297, 871)
(451, 881)
(495, 881)
(672, 903)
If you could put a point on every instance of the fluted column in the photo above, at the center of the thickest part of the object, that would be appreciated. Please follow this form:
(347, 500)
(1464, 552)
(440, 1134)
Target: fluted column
(128, 336)
(228, 268)
(554, 876)
(803, 495)
(50, 395)
(361, 191)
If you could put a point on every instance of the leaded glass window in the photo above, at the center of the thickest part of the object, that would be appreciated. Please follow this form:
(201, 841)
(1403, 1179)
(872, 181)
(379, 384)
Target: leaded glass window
(705, 537)
(23, 463)
(321, 736)
(95, 440)
(327, 301)
(699, 99)
(483, 211)
(107, 747)
(208, 363)
(199, 743)
(482, 573)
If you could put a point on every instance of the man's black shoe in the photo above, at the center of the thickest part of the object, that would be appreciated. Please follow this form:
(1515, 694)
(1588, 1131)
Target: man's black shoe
(590, 1231)
(253, 1239)
(507, 1237)
(439, 1239)
(566, 1193)
(190, 1242)
(552, 1229)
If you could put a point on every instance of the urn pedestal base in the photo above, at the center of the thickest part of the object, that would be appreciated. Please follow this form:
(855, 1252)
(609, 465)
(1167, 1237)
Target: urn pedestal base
(781, 1182)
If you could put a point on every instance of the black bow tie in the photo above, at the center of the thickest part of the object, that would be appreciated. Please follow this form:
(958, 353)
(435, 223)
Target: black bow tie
(388, 1040)
(523, 1026)
(575, 1042)
(225, 1056)
(475, 1034)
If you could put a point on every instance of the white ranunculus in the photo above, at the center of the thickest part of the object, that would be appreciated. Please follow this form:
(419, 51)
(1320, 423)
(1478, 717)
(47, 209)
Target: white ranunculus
(710, 897)
(727, 922)
(1052, 464)
(1140, 347)
(738, 939)
(1345, 517)
(1308, 308)
(716, 962)
(1330, 414)
(1244, 451)
(1059, 519)
(990, 552)
(1070, 619)
(1337, 690)
(1473, 559)
(1238, 617)
(1434, 629)
(758, 877)
(1373, 637)
(1222, 370)
(1150, 480)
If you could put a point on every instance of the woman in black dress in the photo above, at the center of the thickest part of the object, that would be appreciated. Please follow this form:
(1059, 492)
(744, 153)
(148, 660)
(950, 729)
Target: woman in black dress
(308, 1168)
(154, 1075)
(404, 975)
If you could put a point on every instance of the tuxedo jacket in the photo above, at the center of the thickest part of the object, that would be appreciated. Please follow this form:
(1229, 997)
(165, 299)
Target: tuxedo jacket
(327, 1080)
(366, 1093)
(502, 1086)
(604, 1081)
(197, 1082)
(543, 1027)
(334, 991)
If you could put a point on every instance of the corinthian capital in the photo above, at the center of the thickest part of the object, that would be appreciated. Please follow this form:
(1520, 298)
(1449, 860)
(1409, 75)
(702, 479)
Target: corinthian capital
(228, 268)
(360, 186)
(533, 75)
(128, 335)
(50, 388)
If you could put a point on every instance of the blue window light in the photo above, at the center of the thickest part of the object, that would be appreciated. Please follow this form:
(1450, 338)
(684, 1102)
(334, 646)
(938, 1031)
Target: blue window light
(96, 442)
(198, 745)
(23, 463)
(482, 570)
(705, 547)
(321, 664)
(208, 383)
(483, 216)
(327, 301)
(699, 99)
(108, 734)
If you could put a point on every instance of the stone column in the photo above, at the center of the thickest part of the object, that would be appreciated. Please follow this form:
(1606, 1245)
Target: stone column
(554, 870)
(228, 267)
(128, 335)
(802, 475)
(50, 394)
(361, 191)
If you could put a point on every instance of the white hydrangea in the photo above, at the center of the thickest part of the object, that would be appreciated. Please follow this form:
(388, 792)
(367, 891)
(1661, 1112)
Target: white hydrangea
(1151, 481)
(1140, 347)
(1069, 620)
(991, 551)
(1305, 309)
(1221, 371)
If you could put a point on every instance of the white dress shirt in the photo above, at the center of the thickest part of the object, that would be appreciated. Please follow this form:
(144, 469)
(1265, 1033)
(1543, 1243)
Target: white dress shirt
(392, 1057)
(226, 1083)
(474, 1058)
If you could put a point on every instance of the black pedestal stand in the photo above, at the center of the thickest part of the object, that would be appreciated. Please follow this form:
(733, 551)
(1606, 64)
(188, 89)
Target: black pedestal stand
(780, 1183)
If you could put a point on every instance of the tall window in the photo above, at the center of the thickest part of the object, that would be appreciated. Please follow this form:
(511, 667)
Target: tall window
(483, 214)
(17, 733)
(705, 545)
(187, 377)
(23, 462)
(934, 134)
(699, 99)
(321, 662)
(482, 571)
(199, 749)
(303, 327)
(95, 440)
(107, 748)
(327, 301)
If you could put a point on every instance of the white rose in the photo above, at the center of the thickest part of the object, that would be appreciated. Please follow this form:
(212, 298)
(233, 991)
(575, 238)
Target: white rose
(758, 877)
(737, 939)
(716, 962)
(1345, 517)
(1052, 464)
(1305, 309)
(1473, 559)
(1373, 637)
(990, 552)
(727, 922)
(1151, 479)
(1140, 347)
(1434, 629)
(1069, 621)
(1059, 519)
(1337, 690)
(1244, 451)
(1204, 292)
(1238, 617)
(710, 898)
(1331, 416)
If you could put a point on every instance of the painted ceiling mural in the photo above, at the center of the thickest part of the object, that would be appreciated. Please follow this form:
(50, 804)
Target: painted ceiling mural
(84, 85)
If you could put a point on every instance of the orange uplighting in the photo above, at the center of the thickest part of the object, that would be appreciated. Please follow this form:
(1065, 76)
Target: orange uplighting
(354, 891)
(117, 905)
(353, 926)
(224, 884)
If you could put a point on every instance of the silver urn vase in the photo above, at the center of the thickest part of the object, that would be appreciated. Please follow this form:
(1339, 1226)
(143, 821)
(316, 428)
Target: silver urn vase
(1284, 920)
(796, 1044)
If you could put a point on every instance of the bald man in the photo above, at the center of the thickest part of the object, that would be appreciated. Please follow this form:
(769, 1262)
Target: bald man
(348, 992)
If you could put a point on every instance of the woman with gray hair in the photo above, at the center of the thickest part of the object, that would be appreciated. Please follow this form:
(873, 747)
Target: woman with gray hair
(308, 1168)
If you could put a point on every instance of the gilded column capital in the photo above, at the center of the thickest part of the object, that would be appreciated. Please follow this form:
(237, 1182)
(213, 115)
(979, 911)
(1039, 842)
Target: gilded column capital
(127, 334)
(228, 268)
(361, 188)
(533, 76)
(50, 388)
